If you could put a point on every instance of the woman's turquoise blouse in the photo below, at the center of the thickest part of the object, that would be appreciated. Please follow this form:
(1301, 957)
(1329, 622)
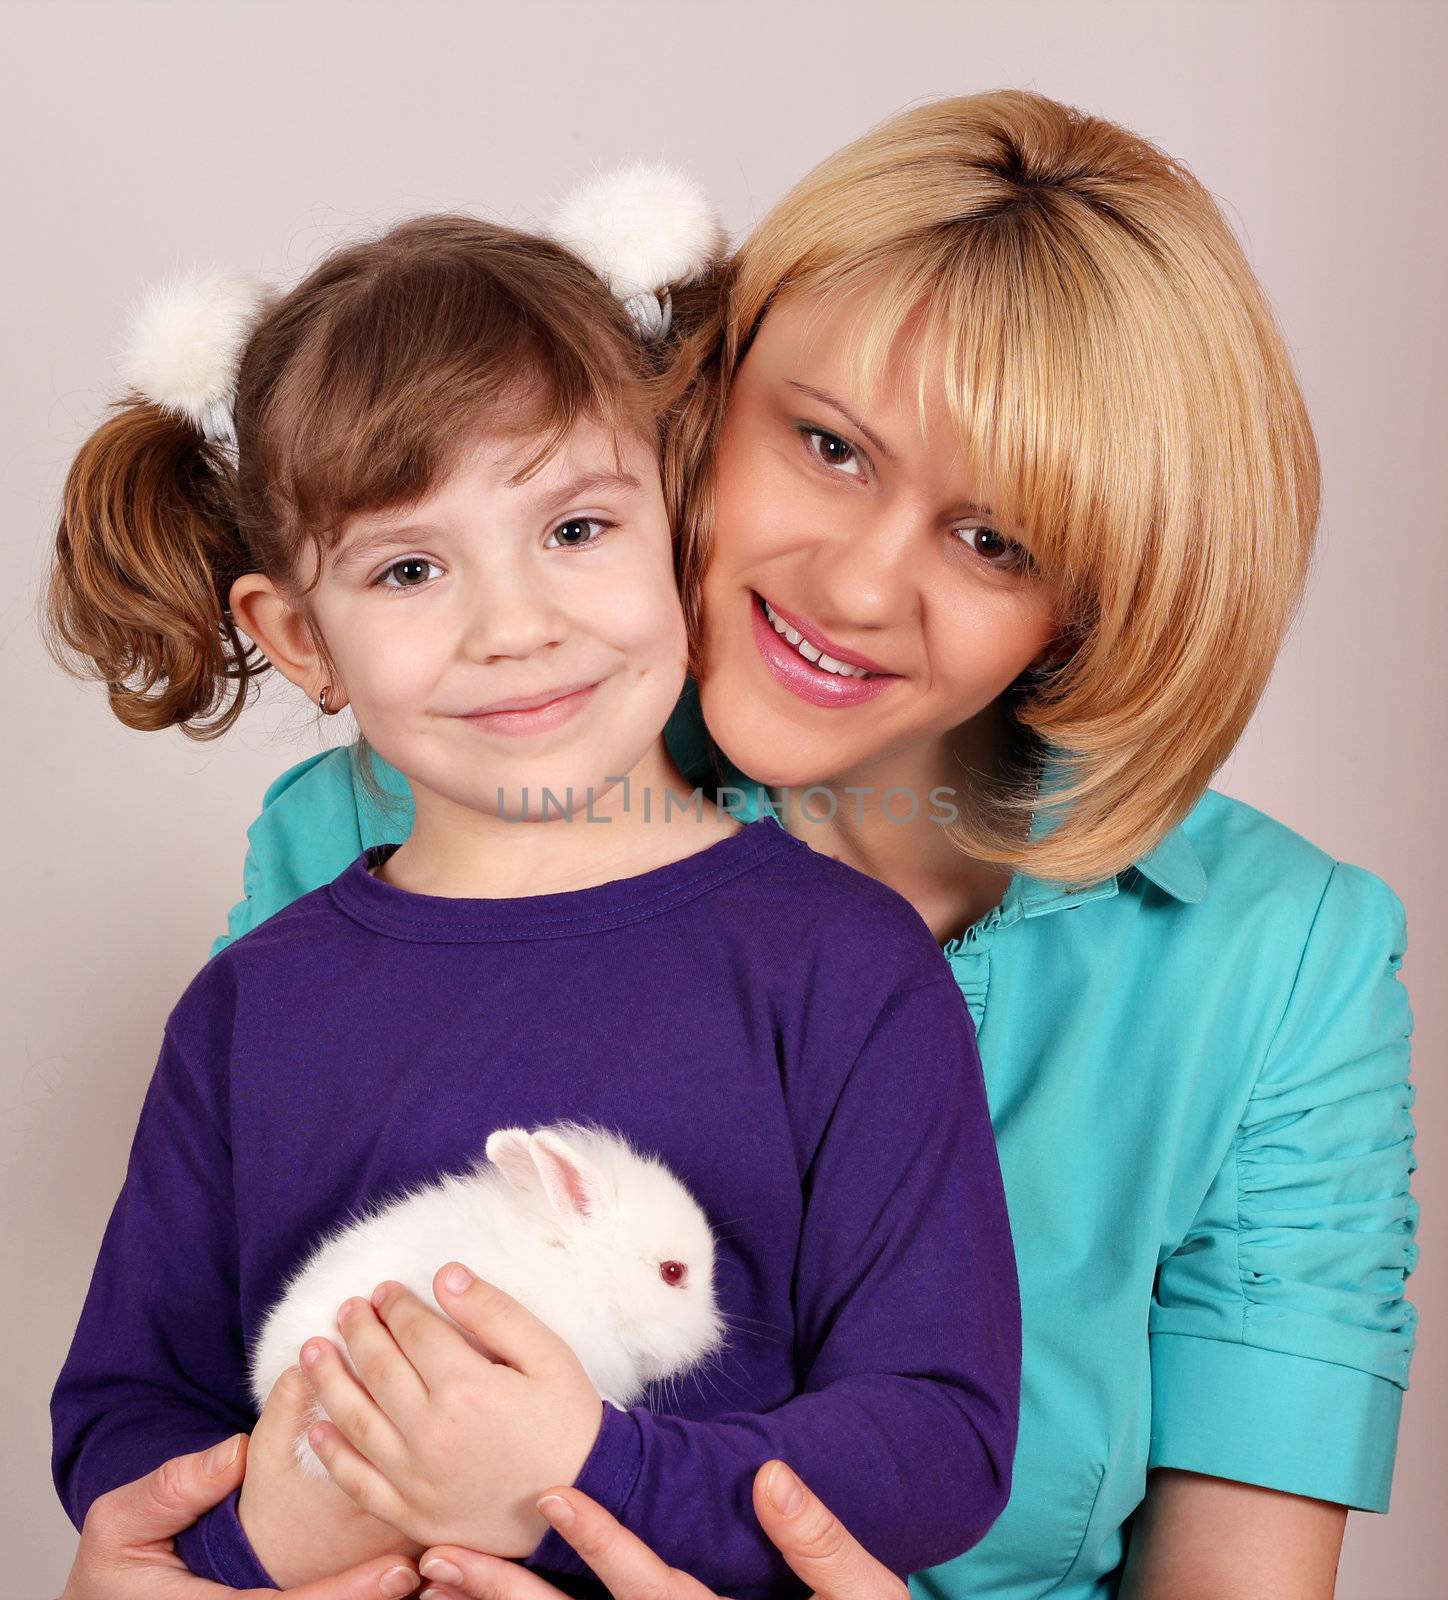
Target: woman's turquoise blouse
(1198, 1076)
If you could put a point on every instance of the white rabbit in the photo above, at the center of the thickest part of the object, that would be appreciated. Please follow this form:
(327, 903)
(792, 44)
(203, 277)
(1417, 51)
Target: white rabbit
(602, 1243)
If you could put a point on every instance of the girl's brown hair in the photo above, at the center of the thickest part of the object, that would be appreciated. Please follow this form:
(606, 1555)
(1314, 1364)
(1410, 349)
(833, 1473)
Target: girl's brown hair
(355, 392)
(1118, 382)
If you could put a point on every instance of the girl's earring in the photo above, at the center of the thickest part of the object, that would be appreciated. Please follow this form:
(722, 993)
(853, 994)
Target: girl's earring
(327, 711)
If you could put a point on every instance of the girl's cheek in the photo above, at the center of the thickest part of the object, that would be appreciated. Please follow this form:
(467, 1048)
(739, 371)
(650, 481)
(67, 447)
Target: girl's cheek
(390, 680)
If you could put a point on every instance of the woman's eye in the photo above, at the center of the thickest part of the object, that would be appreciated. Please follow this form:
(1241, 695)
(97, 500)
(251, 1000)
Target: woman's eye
(410, 573)
(995, 549)
(833, 451)
(577, 531)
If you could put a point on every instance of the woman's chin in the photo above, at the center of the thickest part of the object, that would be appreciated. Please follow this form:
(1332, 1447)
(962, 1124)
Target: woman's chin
(766, 746)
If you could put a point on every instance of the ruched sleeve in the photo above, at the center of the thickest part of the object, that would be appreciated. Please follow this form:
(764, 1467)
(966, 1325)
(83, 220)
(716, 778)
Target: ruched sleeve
(1280, 1333)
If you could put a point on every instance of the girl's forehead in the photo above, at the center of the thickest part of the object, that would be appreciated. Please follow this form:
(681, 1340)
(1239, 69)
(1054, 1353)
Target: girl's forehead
(591, 461)
(589, 458)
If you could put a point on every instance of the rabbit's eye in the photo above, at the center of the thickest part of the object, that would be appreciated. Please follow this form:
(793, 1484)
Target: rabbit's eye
(673, 1272)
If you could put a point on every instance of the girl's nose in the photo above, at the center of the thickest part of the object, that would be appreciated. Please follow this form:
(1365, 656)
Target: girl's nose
(510, 615)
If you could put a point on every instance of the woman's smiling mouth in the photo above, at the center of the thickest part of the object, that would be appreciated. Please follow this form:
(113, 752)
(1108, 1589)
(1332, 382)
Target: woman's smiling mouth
(814, 669)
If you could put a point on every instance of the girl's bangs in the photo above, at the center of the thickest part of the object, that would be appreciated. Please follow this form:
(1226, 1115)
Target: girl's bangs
(382, 399)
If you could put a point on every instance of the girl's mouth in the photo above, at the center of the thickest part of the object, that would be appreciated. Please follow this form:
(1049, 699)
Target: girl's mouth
(540, 718)
(808, 670)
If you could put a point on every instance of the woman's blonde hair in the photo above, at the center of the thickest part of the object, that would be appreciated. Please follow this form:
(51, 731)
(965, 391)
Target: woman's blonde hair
(1123, 393)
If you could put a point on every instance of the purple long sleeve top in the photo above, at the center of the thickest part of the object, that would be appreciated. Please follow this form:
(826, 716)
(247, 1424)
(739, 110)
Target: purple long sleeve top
(781, 1030)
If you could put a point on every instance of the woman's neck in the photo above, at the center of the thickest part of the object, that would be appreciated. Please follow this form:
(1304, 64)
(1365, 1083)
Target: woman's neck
(915, 855)
(459, 852)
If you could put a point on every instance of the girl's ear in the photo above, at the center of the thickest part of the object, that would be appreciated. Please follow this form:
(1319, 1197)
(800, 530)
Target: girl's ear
(264, 614)
(570, 1180)
(508, 1150)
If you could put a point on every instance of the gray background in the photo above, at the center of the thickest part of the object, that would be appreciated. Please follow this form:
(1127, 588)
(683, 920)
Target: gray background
(141, 135)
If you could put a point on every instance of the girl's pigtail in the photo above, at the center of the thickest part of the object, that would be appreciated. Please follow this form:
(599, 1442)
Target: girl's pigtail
(149, 545)
(145, 555)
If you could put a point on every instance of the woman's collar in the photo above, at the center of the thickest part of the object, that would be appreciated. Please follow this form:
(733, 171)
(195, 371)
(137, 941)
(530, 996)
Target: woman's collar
(1173, 865)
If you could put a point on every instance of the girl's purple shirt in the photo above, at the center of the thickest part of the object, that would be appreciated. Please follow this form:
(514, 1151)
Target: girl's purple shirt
(781, 1030)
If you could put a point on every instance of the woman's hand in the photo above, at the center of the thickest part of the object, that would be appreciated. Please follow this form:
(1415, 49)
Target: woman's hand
(452, 1433)
(303, 1528)
(127, 1545)
(805, 1532)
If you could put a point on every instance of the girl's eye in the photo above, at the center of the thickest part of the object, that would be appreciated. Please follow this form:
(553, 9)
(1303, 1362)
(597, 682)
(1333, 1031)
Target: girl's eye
(832, 451)
(410, 573)
(575, 533)
(995, 549)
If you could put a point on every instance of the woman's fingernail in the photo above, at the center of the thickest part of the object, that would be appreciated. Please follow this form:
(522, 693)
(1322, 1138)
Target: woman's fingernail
(457, 1279)
(220, 1456)
(311, 1352)
(396, 1582)
(443, 1571)
(785, 1491)
(556, 1511)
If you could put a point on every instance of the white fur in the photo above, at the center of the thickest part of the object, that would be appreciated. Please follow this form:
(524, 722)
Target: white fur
(569, 1220)
(640, 227)
(185, 342)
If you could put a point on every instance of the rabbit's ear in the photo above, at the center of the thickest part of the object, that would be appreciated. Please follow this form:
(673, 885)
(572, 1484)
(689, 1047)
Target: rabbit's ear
(508, 1150)
(570, 1179)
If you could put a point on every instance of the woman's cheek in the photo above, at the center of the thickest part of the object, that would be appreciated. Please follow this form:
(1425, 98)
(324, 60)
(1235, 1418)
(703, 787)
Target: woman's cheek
(760, 515)
(982, 652)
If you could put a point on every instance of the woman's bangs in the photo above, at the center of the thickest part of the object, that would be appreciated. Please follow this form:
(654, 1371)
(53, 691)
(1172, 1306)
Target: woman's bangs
(1016, 391)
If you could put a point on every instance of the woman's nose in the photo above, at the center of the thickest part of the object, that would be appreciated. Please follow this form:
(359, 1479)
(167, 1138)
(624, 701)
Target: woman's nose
(868, 570)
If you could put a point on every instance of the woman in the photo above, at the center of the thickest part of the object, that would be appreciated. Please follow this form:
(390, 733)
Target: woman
(993, 417)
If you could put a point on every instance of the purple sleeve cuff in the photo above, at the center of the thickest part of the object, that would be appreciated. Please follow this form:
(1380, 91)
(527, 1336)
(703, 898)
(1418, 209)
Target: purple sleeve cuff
(608, 1476)
(216, 1547)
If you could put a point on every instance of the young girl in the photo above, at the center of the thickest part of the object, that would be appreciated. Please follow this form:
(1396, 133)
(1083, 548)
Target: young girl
(444, 510)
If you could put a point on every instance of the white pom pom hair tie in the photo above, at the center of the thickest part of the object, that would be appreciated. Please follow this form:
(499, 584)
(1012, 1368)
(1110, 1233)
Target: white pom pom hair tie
(641, 228)
(185, 343)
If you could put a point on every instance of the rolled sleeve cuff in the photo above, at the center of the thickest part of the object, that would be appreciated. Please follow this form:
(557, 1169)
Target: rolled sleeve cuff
(217, 1547)
(1286, 1422)
(608, 1476)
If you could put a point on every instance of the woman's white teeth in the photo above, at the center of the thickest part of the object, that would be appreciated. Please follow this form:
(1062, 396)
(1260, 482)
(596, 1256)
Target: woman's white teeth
(807, 650)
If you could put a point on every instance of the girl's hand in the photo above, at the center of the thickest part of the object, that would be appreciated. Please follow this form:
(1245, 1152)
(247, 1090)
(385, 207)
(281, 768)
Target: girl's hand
(303, 1528)
(128, 1551)
(804, 1531)
(452, 1435)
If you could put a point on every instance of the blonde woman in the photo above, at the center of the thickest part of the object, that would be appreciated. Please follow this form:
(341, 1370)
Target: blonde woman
(996, 495)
